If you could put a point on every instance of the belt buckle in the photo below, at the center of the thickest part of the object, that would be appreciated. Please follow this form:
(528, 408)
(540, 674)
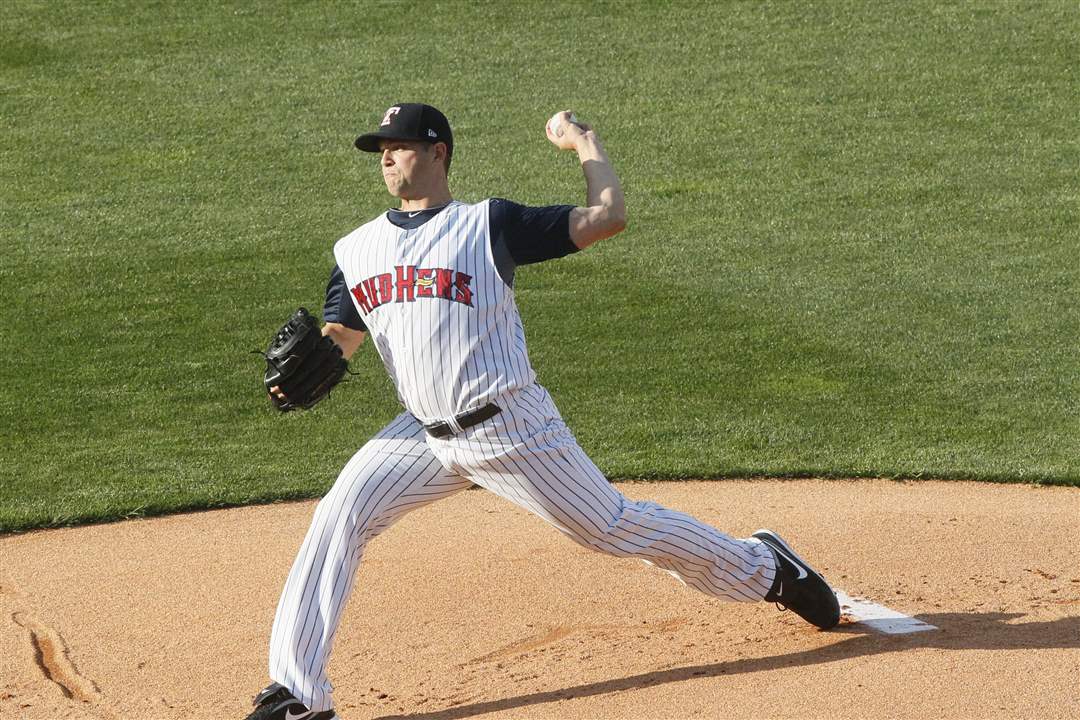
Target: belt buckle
(455, 424)
(452, 425)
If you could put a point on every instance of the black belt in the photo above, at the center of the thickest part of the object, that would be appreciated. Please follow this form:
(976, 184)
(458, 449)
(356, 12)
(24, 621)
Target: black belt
(463, 421)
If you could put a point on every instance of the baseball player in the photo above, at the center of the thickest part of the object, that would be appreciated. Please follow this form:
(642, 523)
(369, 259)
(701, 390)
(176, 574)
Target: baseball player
(432, 284)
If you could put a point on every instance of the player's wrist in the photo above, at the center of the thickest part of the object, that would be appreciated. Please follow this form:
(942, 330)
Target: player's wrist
(589, 147)
(588, 143)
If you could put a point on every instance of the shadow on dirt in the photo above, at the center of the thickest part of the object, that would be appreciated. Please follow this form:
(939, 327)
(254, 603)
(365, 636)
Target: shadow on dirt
(956, 631)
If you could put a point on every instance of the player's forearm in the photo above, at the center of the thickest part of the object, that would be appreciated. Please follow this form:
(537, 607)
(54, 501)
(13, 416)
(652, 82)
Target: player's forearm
(605, 213)
(346, 338)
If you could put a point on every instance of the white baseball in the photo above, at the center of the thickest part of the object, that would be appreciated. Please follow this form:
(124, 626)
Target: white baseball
(556, 122)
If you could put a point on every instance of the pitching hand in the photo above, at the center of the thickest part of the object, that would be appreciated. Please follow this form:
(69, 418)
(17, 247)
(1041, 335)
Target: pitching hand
(571, 131)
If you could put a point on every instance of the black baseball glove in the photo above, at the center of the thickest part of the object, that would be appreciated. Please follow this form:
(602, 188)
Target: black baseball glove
(302, 363)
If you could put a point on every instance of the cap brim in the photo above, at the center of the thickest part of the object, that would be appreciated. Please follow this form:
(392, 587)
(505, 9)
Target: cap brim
(370, 141)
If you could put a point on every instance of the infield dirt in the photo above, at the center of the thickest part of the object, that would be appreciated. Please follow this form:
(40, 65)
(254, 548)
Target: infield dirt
(473, 608)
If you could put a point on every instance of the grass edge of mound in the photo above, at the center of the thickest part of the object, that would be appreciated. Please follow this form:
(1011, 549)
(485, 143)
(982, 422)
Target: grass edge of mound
(151, 510)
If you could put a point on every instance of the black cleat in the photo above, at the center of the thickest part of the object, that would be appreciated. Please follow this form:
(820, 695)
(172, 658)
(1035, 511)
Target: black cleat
(799, 587)
(277, 703)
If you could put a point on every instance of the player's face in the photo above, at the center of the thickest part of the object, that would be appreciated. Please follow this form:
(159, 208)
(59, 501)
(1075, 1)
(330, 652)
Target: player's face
(408, 167)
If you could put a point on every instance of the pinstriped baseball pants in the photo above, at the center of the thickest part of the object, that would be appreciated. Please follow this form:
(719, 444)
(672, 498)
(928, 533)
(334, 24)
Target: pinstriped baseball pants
(525, 454)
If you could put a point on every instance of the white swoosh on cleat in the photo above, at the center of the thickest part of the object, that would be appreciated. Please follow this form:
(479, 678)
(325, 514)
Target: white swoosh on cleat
(793, 561)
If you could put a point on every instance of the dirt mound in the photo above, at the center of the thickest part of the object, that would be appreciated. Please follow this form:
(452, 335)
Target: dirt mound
(471, 607)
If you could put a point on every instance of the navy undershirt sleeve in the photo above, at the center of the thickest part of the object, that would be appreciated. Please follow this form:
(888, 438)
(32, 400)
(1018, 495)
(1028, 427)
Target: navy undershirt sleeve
(522, 235)
(339, 307)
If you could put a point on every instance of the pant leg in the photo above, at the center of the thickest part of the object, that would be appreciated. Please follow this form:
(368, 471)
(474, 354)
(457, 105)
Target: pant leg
(393, 473)
(528, 456)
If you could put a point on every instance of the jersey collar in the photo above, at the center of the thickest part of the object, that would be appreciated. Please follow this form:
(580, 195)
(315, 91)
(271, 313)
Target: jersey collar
(409, 219)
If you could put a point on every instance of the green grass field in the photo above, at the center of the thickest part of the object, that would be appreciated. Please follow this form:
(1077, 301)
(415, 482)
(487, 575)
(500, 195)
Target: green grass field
(853, 245)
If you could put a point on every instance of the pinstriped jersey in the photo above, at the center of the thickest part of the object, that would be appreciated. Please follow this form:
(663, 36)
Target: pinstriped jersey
(442, 319)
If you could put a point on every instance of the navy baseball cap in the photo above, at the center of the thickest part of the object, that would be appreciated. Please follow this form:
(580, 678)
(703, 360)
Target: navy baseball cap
(410, 121)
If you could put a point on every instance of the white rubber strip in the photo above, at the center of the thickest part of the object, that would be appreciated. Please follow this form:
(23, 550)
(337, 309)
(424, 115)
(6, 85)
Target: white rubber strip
(878, 617)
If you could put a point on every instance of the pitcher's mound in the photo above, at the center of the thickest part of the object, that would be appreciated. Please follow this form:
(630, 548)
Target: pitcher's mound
(472, 608)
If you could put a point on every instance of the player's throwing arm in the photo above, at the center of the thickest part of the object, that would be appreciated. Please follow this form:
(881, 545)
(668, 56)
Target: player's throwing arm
(605, 212)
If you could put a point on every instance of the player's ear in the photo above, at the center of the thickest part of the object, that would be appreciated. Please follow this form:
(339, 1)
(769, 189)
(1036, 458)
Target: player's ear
(442, 155)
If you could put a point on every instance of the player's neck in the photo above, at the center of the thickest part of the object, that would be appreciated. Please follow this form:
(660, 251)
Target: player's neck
(431, 200)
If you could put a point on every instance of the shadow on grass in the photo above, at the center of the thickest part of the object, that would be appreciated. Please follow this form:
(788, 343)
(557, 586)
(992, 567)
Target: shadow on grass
(956, 631)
